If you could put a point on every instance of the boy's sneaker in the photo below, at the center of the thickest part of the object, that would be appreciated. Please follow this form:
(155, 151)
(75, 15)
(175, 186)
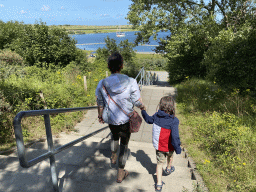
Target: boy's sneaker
(169, 171)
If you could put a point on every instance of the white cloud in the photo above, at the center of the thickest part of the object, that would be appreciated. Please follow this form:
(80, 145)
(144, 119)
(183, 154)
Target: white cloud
(104, 15)
(1, 5)
(23, 12)
(46, 8)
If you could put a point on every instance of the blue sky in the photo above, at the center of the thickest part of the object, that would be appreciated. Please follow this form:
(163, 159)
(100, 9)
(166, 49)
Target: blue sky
(60, 12)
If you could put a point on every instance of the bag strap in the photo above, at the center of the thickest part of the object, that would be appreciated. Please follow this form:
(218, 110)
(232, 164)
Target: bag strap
(114, 101)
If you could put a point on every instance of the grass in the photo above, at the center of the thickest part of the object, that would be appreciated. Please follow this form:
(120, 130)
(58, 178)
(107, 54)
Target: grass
(219, 134)
(139, 58)
(152, 62)
(212, 175)
(148, 56)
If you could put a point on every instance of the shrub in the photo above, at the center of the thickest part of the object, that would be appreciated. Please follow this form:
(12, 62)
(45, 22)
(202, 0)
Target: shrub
(221, 134)
(153, 64)
(61, 88)
(231, 59)
(230, 149)
(10, 63)
(185, 49)
(203, 96)
(9, 32)
(10, 57)
(43, 46)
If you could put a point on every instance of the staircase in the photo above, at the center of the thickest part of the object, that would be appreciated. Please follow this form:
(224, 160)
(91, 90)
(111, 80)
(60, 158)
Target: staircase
(86, 166)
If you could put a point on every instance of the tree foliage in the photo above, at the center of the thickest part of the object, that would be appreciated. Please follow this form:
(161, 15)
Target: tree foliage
(231, 59)
(193, 25)
(153, 16)
(39, 44)
(185, 50)
(124, 48)
(9, 32)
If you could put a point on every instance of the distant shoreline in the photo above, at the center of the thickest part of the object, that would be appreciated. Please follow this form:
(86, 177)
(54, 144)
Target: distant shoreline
(88, 29)
(135, 52)
(145, 52)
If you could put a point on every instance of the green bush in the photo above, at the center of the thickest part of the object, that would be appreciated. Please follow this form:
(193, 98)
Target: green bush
(9, 32)
(201, 96)
(230, 149)
(5, 108)
(222, 134)
(40, 44)
(231, 59)
(185, 49)
(10, 57)
(10, 63)
(153, 64)
(42, 68)
(125, 49)
(60, 88)
(21, 94)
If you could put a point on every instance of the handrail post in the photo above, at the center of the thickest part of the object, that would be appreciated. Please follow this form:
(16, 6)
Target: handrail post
(143, 73)
(51, 148)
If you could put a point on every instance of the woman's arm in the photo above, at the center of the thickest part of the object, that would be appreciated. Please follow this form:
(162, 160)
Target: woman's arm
(100, 111)
(135, 94)
(100, 102)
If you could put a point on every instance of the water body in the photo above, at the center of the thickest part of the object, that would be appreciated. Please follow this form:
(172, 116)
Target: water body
(97, 40)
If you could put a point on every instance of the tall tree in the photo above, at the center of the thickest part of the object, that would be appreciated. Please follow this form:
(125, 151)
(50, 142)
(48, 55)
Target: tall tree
(153, 16)
(192, 25)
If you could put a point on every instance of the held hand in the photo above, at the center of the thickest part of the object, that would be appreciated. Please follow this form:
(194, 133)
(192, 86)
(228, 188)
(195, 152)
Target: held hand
(142, 107)
(101, 119)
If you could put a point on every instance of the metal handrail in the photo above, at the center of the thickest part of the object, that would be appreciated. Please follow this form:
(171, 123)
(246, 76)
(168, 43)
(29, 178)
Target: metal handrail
(146, 78)
(51, 151)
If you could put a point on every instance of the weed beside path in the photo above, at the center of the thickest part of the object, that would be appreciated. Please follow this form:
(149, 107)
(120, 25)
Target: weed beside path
(222, 143)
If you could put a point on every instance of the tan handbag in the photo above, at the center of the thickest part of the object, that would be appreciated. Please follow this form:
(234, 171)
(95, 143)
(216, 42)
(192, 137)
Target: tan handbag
(135, 122)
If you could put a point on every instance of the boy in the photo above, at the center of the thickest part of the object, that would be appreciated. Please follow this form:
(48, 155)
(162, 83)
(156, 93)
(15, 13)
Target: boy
(165, 136)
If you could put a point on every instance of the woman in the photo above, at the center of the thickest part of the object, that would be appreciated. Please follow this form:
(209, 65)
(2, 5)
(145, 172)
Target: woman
(125, 92)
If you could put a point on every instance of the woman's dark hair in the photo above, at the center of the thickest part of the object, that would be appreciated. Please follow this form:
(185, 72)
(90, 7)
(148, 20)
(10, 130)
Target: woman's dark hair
(115, 62)
(167, 105)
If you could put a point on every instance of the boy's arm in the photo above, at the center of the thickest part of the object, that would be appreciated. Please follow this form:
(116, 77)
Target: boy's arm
(146, 117)
(175, 137)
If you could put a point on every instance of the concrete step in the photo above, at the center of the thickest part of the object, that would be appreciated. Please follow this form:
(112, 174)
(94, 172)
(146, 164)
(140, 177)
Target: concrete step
(81, 156)
(102, 144)
(142, 153)
(96, 181)
(92, 141)
(21, 182)
(86, 167)
(134, 182)
(138, 166)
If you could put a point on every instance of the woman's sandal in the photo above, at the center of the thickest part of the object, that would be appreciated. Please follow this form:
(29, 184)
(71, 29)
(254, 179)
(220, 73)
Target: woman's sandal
(169, 171)
(113, 158)
(160, 187)
(126, 173)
